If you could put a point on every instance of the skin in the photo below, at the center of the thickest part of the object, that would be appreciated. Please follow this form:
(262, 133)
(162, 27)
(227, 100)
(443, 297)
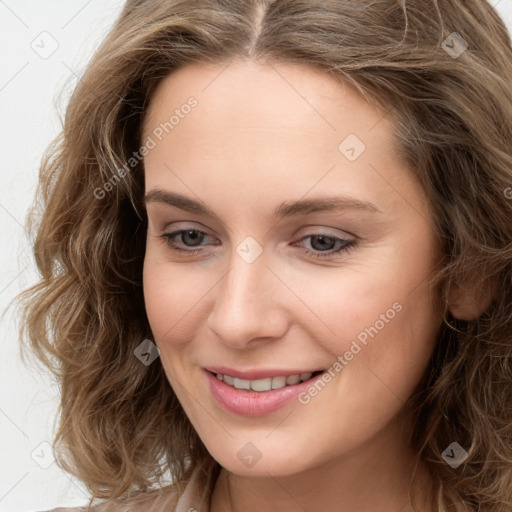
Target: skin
(259, 136)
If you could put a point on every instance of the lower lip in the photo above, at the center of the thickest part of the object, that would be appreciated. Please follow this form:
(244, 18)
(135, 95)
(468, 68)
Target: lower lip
(255, 403)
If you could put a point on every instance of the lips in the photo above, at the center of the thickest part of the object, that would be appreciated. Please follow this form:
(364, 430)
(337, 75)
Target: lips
(257, 374)
(249, 402)
(265, 384)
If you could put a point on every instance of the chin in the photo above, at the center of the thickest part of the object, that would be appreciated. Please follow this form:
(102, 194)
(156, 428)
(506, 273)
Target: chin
(279, 463)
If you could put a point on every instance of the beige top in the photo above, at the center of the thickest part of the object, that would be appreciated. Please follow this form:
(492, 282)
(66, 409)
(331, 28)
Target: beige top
(193, 499)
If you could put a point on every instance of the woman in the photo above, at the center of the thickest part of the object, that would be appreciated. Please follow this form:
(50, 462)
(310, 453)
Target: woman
(275, 249)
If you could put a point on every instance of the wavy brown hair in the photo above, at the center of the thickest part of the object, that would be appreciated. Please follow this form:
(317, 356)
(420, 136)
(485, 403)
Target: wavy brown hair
(121, 426)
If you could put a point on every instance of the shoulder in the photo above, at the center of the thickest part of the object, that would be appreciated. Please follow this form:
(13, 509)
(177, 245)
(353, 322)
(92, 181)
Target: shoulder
(151, 501)
(73, 509)
(141, 504)
(192, 494)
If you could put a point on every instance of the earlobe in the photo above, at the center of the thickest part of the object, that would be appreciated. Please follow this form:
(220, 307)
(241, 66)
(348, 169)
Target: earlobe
(468, 302)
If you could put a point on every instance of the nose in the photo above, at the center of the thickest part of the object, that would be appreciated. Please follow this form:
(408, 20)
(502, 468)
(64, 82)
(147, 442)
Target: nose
(248, 304)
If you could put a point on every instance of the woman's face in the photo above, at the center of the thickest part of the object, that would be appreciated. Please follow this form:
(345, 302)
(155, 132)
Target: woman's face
(306, 245)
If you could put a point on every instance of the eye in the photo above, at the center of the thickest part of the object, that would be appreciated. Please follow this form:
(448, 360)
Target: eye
(189, 238)
(323, 245)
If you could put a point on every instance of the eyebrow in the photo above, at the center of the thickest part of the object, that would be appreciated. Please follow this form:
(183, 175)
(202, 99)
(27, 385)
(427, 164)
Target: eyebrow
(286, 209)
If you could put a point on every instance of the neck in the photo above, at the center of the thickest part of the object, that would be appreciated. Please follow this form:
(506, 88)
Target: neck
(376, 476)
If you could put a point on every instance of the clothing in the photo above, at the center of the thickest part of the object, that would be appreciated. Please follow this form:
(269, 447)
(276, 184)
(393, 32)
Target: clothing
(195, 498)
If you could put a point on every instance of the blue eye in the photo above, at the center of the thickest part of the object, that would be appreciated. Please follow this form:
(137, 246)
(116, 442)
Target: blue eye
(331, 241)
(326, 243)
(193, 235)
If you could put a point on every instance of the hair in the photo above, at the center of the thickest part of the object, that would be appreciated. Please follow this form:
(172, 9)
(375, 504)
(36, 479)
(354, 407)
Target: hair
(121, 428)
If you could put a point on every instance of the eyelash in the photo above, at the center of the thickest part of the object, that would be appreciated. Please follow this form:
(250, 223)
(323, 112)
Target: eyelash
(347, 246)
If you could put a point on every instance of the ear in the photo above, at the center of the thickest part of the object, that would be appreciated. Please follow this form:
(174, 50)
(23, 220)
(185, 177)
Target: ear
(469, 300)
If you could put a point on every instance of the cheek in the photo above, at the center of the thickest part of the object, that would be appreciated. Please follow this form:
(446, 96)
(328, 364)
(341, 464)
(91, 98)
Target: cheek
(158, 301)
(168, 295)
(380, 316)
(176, 300)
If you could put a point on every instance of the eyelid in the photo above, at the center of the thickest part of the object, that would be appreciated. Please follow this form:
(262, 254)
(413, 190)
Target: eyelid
(327, 231)
(347, 244)
(317, 230)
(190, 224)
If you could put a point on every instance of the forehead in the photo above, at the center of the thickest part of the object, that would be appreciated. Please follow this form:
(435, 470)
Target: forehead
(265, 125)
(289, 93)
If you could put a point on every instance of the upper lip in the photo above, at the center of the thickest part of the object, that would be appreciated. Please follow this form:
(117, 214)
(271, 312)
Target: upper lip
(259, 373)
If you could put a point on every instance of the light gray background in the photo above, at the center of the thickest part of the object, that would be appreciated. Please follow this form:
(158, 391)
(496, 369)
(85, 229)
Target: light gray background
(30, 106)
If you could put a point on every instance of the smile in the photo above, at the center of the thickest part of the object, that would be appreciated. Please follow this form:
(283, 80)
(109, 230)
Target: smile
(266, 384)
(258, 397)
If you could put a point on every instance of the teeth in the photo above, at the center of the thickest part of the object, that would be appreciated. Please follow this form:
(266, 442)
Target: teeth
(292, 379)
(261, 384)
(278, 382)
(242, 384)
(264, 384)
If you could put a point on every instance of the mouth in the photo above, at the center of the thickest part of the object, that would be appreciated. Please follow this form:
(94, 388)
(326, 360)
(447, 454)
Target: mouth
(262, 396)
(265, 384)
